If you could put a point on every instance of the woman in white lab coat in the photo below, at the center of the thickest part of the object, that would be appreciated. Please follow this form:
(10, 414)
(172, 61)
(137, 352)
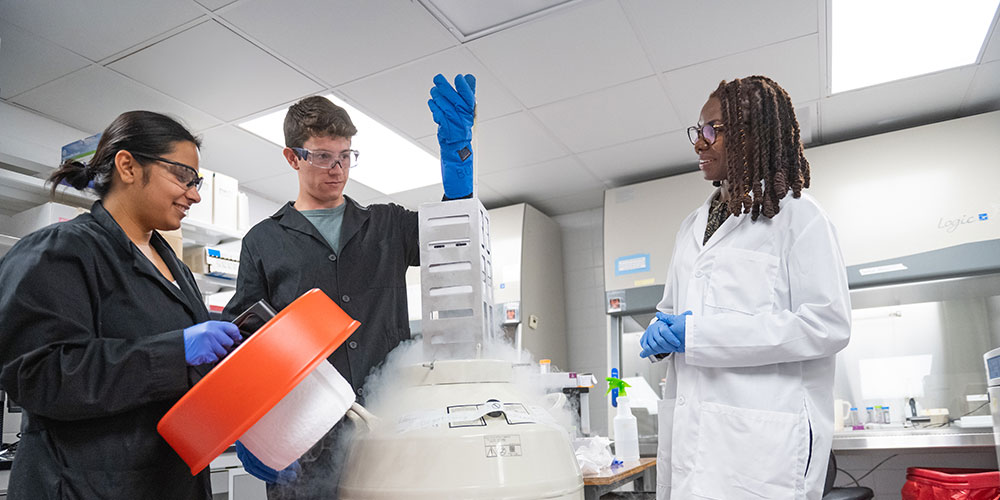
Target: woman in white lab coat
(753, 312)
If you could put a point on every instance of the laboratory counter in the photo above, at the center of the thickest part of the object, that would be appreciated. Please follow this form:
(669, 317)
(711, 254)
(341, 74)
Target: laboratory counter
(910, 438)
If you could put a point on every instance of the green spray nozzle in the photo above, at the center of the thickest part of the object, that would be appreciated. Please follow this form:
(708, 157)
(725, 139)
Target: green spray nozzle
(617, 383)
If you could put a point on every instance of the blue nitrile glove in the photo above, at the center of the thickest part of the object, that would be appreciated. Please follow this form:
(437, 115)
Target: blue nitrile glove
(257, 469)
(209, 342)
(664, 335)
(454, 110)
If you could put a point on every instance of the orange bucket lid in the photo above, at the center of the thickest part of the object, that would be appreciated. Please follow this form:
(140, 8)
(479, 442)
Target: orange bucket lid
(253, 378)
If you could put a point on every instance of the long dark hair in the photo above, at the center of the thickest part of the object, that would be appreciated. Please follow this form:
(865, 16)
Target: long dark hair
(145, 132)
(763, 148)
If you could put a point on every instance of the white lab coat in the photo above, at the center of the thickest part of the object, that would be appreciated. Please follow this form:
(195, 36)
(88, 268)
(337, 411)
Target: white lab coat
(747, 409)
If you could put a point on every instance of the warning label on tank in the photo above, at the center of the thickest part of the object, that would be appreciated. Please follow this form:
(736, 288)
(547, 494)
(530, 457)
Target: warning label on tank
(504, 445)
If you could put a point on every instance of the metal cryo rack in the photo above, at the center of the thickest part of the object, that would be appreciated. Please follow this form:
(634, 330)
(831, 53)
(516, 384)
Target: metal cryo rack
(456, 276)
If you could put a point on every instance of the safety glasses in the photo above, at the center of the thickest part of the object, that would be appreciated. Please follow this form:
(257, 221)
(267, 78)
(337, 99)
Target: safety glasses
(346, 159)
(185, 174)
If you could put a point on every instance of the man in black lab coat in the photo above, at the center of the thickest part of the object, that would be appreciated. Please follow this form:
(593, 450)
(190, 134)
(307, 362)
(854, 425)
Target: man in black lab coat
(358, 255)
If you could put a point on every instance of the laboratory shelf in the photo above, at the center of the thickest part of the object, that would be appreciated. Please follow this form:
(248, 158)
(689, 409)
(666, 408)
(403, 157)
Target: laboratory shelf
(900, 438)
(212, 284)
(20, 192)
(198, 233)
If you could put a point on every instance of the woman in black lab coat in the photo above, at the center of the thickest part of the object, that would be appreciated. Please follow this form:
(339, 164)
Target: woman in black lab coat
(96, 335)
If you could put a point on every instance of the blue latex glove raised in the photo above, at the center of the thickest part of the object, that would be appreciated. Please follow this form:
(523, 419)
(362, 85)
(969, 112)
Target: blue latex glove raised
(454, 110)
(209, 342)
(257, 469)
(665, 335)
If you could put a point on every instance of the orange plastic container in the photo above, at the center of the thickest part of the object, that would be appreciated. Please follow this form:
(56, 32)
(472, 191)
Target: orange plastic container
(951, 484)
(254, 377)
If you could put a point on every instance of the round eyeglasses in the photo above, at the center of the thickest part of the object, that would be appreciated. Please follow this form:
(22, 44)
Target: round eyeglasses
(708, 131)
(185, 174)
(346, 159)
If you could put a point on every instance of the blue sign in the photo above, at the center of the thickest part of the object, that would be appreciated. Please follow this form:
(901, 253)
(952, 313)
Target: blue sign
(632, 264)
(983, 216)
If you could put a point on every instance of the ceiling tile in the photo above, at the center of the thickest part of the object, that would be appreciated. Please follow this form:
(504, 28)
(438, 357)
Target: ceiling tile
(214, 4)
(362, 193)
(240, 154)
(984, 94)
(641, 160)
(578, 202)
(490, 197)
(97, 29)
(399, 96)
(216, 70)
(551, 179)
(992, 52)
(91, 98)
(895, 105)
(595, 48)
(678, 34)
(342, 40)
(610, 116)
(512, 141)
(413, 198)
(29, 61)
(281, 188)
(793, 64)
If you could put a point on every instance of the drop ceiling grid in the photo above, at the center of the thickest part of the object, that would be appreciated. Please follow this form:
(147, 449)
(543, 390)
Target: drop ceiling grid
(793, 64)
(679, 34)
(97, 29)
(89, 99)
(216, 70)
(399, 95)
(580, 49)
(611, 116)
(36, 61)
(341, 41)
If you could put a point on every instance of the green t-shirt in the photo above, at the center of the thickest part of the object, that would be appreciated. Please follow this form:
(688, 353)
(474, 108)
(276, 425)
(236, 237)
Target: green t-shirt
(328, 222)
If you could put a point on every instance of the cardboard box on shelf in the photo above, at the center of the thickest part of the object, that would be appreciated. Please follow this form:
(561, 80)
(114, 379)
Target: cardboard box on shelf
(202, 211)
(225, 204)
(243, 212)
(175, 239)
(33, 219)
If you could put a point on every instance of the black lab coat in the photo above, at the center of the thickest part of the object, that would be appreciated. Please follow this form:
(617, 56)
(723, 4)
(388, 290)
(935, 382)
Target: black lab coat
(91, 346)
(285, 256)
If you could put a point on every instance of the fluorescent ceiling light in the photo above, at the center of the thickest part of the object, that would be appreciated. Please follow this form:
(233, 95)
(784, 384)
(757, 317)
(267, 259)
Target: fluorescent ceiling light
(388, 163)
(880, 41)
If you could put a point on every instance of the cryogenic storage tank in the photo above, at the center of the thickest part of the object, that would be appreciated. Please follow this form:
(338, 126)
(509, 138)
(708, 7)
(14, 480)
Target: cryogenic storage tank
(460, 429)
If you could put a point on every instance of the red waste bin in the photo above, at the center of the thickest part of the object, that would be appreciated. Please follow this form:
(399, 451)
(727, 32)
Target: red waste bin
(951, 484)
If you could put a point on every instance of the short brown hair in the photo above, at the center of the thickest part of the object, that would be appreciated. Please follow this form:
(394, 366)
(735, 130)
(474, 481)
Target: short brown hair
(316, 116)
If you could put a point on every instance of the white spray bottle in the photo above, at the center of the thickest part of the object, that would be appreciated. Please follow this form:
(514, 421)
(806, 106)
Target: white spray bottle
(626, 428)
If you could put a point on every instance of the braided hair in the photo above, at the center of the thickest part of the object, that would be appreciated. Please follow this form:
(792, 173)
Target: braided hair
(763, 149)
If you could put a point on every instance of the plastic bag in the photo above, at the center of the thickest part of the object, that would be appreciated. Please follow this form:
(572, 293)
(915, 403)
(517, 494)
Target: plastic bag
(593, 454)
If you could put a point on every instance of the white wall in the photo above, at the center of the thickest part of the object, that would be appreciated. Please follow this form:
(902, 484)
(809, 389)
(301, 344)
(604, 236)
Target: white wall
(586, 323)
